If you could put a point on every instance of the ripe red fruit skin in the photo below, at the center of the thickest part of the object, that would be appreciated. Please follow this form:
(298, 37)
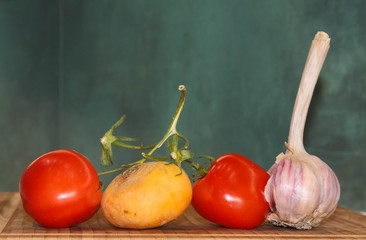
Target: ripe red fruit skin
(60, 189)
(231, 194)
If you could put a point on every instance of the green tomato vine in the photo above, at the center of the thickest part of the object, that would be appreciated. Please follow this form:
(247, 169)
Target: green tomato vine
(171, 137)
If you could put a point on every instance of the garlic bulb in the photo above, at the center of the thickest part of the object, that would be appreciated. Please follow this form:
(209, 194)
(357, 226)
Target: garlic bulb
(302, 189)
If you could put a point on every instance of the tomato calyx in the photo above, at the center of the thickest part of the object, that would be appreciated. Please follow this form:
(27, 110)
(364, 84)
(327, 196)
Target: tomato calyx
(172, 137)
(109, 139)
(203, 168)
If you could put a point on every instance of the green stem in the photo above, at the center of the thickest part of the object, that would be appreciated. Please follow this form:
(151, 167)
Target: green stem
(173, 125)
(120, 144)
(200, 168)
(111, 171)
(201, 171)
(156, 158)
(184, 139)
(171, 131)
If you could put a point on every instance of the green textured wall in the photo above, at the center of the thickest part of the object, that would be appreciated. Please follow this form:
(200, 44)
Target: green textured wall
(69, 69)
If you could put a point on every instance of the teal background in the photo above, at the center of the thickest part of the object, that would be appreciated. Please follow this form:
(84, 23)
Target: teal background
(70, 69)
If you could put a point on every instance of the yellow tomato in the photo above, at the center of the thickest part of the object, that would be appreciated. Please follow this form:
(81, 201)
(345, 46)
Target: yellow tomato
(147, 195)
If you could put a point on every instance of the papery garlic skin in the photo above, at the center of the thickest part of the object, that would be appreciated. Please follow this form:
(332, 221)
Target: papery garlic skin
(302, 191)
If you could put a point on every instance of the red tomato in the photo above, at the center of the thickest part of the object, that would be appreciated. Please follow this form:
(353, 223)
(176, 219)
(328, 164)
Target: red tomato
(231, 194)
(60, 189)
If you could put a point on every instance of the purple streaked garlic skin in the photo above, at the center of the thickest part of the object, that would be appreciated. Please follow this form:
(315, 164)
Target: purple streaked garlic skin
(302, 190)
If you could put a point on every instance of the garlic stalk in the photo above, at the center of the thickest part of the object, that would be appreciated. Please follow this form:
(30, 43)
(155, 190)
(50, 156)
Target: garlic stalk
(302, 190)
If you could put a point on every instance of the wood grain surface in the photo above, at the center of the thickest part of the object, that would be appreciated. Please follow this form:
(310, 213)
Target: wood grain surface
(16, 224)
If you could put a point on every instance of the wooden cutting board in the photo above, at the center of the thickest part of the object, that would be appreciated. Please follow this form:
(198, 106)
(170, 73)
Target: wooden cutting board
(16, 224)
